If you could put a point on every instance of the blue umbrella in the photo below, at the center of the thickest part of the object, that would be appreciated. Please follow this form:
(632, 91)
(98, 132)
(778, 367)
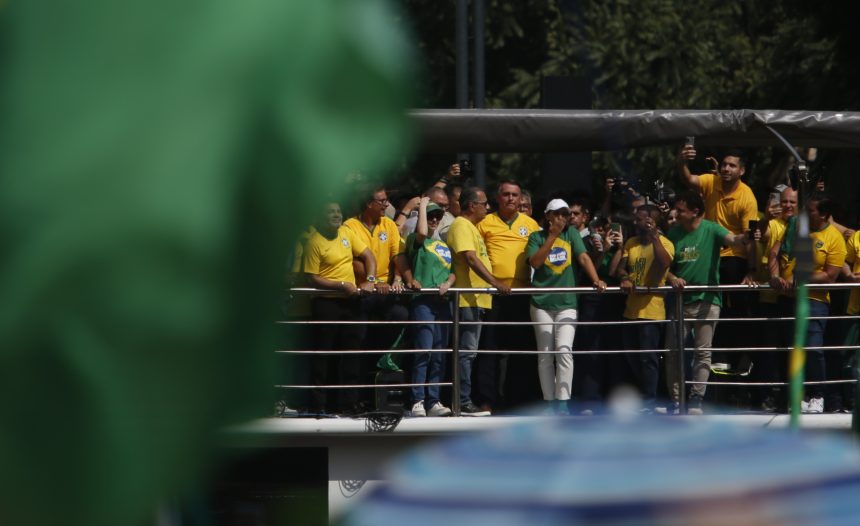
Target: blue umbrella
(616, 471)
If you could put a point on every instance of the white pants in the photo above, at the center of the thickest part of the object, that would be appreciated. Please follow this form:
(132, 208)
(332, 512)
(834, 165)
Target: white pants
(555, 370)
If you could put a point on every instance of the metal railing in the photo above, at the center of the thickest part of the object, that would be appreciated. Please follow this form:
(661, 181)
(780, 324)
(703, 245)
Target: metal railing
(676, 318)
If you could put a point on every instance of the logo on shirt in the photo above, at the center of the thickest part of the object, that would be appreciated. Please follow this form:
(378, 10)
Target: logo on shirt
(383, 236)
(344, 242)
(524, 231)
(443, 252)
(557, 256)
(688, 255)
(819, 245)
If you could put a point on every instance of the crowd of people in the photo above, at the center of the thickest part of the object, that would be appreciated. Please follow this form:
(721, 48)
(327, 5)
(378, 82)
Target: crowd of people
(714, 231)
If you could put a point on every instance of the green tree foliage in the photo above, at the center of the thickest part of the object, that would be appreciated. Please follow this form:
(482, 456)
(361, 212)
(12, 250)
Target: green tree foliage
(669, 54)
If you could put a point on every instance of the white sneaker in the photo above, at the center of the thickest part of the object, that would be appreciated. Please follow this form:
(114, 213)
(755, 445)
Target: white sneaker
(814, 405)
(418, 409)
(439, 410)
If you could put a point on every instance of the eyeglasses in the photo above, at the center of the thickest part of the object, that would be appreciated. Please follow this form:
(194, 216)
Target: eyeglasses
(563, 213)
(383, 201)
(480, 203)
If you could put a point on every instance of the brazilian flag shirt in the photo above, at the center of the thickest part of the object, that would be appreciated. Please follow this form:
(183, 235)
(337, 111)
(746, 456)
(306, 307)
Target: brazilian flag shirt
(559, 269)
(430, 260)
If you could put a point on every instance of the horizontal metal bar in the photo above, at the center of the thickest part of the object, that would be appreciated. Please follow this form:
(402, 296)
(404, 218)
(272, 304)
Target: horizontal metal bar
(775, 384)
(360, 386)
(505, 323)
(591, 290)
(467, 351)
(762, 349)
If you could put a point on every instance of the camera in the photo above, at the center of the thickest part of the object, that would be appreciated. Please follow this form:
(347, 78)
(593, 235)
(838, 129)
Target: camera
(621, 184)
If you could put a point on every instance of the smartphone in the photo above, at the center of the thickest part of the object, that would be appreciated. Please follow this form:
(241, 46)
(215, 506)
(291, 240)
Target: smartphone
(753, 226)
(690, 141)
(615, 227)
(773, 200)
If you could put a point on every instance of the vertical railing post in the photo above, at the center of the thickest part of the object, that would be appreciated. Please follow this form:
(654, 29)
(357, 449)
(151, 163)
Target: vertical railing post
(455, 356)
(679, 348)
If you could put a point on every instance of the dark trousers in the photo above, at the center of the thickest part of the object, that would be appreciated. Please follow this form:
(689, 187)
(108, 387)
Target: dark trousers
(333, 368)
(769, 366)
(381, 336)
(644, 366)
(816, 369)
(595, 374)
(502, 380)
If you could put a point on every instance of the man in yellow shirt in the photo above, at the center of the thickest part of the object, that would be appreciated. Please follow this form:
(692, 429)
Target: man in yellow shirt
(769, 366)
(327, 258)
(382, 237)
(506, 233)
(828, 257)
(473, 269)
(851, 273)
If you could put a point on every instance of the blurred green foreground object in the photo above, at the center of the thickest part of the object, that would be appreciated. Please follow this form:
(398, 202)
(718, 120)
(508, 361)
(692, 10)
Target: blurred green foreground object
(154, 159)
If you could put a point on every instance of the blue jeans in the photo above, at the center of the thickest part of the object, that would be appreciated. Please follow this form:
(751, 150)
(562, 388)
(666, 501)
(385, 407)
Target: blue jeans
(430, 366)
(815, 367)
(470, 335)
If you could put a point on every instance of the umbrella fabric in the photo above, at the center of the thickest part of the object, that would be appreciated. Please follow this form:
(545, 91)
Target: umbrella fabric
(612, 472)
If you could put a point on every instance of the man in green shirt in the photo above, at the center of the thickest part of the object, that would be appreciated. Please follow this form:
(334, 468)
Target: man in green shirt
(697, 244)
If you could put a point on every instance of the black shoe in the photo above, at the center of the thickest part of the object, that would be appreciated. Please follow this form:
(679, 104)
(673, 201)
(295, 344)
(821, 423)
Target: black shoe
(694, 406)
(768, 405)
(470, 409)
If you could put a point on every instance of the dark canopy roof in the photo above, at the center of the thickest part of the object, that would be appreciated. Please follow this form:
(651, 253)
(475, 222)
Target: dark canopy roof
(447, 131)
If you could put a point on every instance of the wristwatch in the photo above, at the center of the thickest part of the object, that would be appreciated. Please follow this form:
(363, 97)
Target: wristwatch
(371, 279)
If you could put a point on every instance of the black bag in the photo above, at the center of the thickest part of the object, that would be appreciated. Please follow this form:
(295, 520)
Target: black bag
(390, 399)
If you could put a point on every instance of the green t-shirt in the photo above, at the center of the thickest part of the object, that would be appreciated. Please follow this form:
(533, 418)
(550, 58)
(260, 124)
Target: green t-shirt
(603, 269)
(559, 268)
(697, 258)
(430, 260)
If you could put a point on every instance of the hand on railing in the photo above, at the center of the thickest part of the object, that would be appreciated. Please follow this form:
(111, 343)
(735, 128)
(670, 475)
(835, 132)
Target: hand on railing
(677, 283)
(626, 285)
(502, 288)
(750, 281)
(600, 285)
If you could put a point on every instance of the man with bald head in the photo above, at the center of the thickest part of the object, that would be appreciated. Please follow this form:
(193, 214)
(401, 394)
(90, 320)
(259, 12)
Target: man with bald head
(770, 366)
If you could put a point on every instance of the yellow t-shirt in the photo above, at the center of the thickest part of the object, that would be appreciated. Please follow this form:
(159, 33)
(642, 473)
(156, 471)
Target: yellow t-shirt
(828, 249)
(639, 260)
(463, 237)
(776, 231)
(383, 240)
(733, 211)
(506, 245)
(853, 259)
(332, 258)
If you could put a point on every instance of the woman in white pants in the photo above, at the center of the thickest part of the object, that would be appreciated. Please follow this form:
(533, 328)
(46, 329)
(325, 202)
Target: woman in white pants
(556, 253)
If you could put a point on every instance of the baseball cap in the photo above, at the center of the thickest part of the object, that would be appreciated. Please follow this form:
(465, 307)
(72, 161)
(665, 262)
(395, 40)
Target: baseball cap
(556, 204)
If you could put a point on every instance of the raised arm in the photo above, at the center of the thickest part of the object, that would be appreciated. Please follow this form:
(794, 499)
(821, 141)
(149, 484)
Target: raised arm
(685, 155)
(554, 229)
